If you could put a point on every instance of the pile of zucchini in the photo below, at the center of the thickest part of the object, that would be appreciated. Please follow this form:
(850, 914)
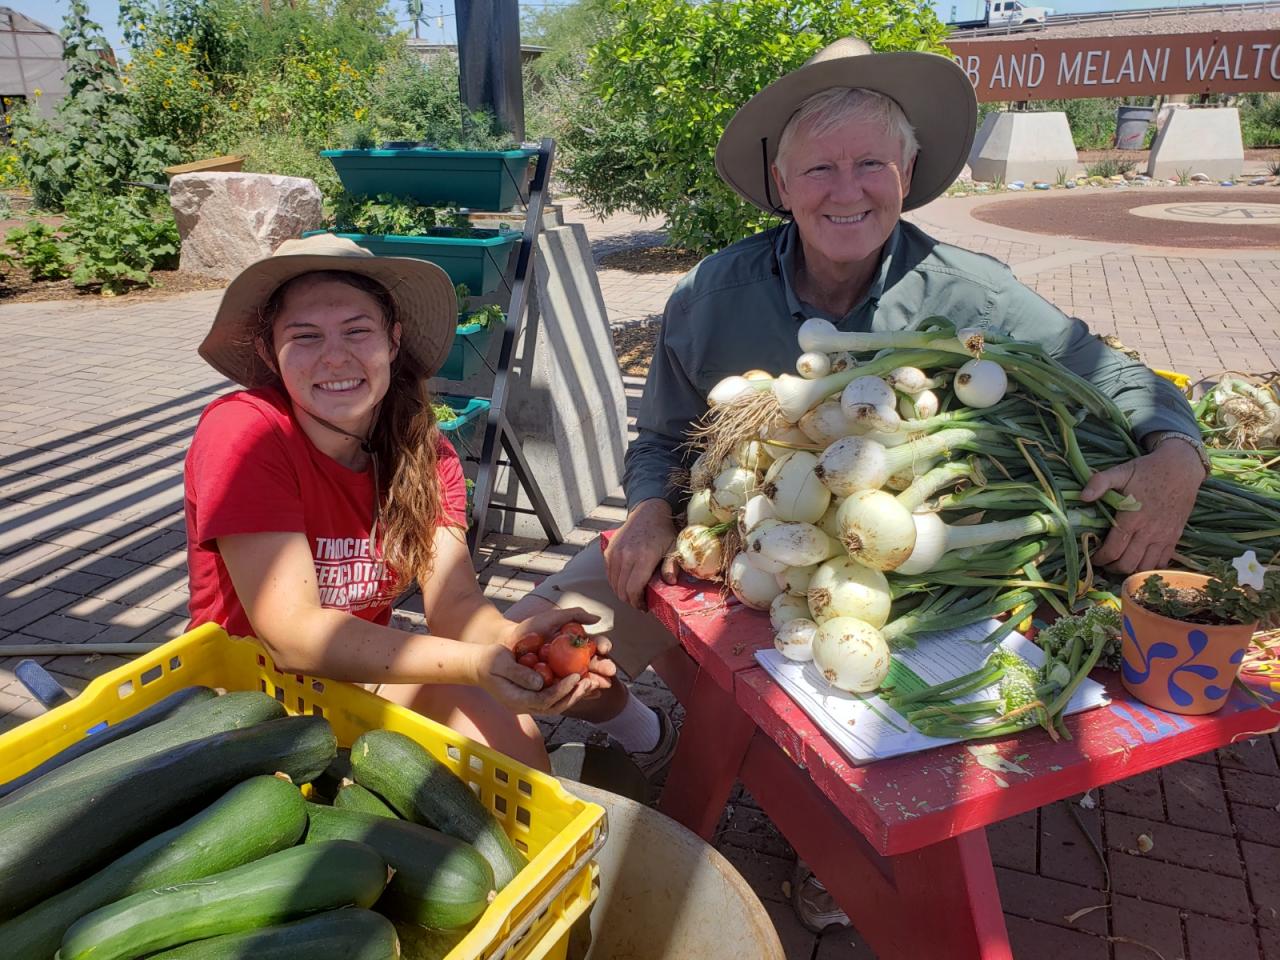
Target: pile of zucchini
(182, 834)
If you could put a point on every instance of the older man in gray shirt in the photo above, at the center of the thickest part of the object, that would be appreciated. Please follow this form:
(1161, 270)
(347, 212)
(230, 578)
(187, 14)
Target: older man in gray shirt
(842, 146)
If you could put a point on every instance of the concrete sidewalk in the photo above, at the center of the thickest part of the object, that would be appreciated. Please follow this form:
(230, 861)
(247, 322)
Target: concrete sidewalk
(98, 400)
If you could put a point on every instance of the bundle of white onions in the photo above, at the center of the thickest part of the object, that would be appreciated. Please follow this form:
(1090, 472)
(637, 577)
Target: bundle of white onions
(898, 486)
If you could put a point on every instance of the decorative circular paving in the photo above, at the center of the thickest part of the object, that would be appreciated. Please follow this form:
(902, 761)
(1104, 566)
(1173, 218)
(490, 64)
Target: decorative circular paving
(1210, 217)
(1236, 214)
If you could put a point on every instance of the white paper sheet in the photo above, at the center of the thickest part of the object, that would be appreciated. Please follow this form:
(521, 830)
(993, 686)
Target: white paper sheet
(866, 728)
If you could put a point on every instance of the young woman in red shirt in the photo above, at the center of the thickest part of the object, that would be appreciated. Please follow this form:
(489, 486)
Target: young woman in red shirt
(322, 490)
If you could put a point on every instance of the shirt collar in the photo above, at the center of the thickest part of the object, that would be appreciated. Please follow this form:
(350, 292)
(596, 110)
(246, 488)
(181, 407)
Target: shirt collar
(788, 246)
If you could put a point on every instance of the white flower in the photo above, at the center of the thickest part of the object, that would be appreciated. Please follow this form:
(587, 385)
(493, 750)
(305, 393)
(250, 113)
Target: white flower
(1249, 572)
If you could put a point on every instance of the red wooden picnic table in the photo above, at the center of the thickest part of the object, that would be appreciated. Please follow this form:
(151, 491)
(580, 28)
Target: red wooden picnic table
(899, 843)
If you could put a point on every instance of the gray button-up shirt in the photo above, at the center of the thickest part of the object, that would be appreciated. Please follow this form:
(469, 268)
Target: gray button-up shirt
(737, 310)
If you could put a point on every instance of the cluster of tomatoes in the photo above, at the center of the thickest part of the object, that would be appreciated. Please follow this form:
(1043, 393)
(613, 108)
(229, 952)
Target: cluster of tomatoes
(566, 654)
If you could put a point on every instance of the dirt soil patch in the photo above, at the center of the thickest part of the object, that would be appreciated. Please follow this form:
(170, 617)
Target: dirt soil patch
(1104, 215)
(633, 345)
(16, 286)
(651, 260)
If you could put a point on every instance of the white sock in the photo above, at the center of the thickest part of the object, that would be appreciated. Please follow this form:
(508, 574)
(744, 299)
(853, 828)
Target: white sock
(636, 728)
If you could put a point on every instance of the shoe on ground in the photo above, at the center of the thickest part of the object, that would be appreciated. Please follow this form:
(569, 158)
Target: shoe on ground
(654, 762)
(813, 905)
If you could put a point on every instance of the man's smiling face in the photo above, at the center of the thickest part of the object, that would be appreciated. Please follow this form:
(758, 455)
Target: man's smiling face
(845, 188)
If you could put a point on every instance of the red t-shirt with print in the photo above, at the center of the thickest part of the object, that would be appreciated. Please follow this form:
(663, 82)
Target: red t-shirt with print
(251, 469)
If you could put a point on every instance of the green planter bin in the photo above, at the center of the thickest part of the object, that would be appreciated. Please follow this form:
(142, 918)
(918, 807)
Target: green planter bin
(470, 347)
(479, 260)
(465, 427)
(479, 179)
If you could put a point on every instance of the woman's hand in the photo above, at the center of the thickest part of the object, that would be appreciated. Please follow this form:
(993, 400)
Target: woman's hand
(522, 690)
(545, 625)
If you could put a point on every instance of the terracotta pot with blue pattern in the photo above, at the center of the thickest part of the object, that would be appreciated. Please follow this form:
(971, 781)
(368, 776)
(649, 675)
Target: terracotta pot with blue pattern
(1174, 665)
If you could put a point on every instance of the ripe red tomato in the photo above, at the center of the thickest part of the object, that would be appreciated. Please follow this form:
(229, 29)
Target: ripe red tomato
(528, 659)
(544, 651)
(574, 629)
(544, 671)
(570, 654)
(529, 643)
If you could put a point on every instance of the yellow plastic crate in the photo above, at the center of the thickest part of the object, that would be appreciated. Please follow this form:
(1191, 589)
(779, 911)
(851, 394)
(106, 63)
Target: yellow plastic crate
(1179, 380)
(529, 920)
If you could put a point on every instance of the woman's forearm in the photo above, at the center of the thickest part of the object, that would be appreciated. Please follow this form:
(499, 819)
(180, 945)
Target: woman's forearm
(335, 645)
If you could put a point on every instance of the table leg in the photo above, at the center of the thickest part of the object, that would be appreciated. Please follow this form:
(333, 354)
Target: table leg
(713, 741)
(940, 901)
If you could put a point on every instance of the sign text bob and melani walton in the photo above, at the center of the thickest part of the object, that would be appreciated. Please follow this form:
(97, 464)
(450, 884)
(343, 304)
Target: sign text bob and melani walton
(1121, 66)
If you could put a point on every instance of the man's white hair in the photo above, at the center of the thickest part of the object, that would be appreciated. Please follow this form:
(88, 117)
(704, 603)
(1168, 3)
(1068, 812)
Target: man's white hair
(824, 111)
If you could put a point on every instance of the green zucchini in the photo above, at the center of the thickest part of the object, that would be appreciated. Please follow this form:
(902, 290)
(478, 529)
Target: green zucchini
(52, 839)
(419, 943)
(351, 934)
(325, 787)
(438, 881)
(173, 705)
(231, 711)
(352, 796)
(278, 888)
(250, 821)
(422, 789)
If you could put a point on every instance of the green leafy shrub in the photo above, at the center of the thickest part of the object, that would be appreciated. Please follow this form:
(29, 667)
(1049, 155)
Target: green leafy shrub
(1260, 119)
(117, 240)
(171, 95)
(38, 250)
(413, 100)
(94, 133)
(401, 216)
(669, 75)
(384, 214)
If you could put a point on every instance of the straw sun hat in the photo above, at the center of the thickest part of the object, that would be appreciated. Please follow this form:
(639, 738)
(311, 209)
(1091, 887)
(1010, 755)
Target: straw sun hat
(932, 90)
(426, 305)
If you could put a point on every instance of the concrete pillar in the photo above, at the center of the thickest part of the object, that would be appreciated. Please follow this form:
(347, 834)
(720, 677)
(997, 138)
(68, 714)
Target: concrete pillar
(566, 399)
(1204, 141)
(1023, 146)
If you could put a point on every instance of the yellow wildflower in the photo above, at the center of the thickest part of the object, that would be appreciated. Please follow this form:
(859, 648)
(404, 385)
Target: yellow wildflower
(38, 92)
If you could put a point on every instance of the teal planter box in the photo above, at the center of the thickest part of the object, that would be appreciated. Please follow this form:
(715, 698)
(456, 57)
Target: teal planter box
(470, 347)
(478, 179)
(479, 260)
(463, 429)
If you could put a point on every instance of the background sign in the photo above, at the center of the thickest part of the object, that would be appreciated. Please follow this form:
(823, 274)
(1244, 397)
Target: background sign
(1086, 67)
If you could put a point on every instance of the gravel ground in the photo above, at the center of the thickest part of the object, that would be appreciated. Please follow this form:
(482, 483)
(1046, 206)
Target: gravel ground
(1207, 22)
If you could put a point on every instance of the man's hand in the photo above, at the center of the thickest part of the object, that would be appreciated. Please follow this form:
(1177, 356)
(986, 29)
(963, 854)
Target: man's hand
(637, 549)
(1165, 482)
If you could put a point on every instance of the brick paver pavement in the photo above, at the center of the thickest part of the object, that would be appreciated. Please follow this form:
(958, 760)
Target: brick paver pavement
(98, 401)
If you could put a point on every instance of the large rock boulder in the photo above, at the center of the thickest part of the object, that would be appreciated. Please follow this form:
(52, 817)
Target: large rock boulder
(230, 220)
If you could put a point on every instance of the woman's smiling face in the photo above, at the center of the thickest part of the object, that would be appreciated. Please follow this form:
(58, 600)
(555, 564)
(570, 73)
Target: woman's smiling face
(333, 350)
(844, 189)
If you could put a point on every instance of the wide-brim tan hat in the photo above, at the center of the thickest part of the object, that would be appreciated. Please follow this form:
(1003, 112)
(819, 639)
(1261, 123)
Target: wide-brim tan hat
(426, 304)
(932, 90)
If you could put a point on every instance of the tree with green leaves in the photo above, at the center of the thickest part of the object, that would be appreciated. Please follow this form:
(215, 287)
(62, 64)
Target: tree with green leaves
(667, 77)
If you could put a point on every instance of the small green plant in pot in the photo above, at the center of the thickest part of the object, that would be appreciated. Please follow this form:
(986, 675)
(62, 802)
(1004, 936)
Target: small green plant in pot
(1185, 634)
